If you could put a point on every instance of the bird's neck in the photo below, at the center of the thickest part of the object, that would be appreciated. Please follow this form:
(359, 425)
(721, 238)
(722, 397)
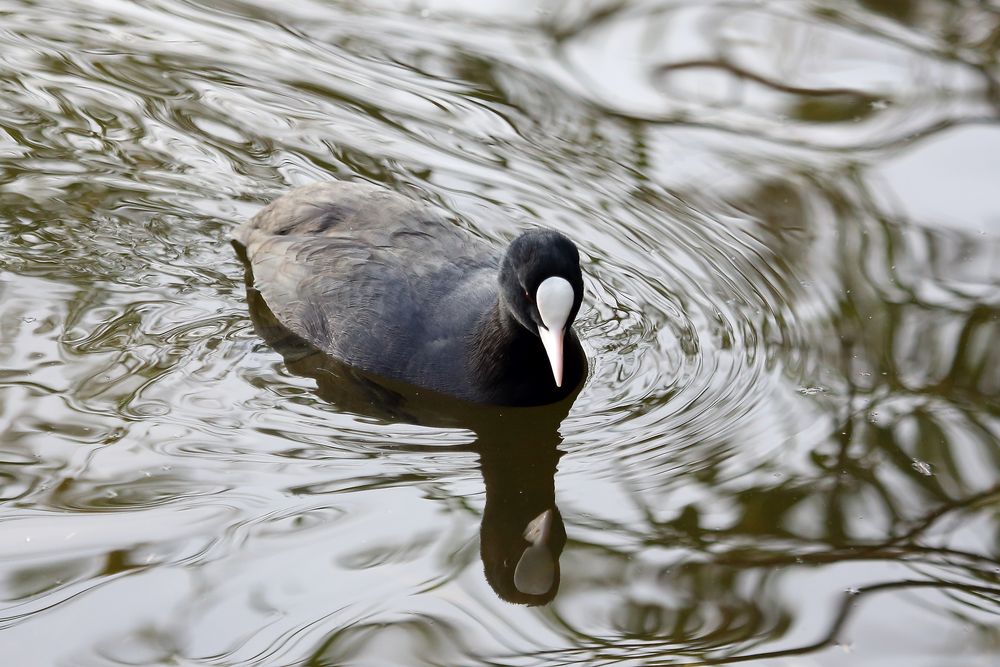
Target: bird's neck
(510, 366)
(499, 340)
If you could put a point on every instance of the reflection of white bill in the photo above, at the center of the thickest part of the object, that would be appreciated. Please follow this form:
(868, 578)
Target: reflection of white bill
(535, 571)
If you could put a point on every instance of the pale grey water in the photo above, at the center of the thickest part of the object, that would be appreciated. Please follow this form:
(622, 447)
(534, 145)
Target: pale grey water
(786, 454)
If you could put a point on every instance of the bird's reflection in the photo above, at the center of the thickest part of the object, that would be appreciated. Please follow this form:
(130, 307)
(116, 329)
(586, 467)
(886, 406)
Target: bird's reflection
(522, 532)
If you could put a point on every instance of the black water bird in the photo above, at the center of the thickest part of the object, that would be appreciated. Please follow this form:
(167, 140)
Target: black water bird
(385, 284)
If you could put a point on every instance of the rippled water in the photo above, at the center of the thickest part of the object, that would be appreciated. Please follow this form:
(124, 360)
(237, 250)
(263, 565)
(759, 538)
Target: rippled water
(788, 448)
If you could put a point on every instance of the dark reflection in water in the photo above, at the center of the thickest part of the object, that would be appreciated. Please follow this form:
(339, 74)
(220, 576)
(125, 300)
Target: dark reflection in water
(522, 533)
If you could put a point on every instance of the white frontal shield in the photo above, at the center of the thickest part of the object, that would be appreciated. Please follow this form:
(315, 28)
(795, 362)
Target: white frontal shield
(554, 299)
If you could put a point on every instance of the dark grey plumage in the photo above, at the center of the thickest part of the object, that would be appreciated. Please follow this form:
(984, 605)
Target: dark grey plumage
(385, 284)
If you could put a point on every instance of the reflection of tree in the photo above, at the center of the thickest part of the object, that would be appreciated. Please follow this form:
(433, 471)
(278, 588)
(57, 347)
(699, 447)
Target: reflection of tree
(812, 103)
(657, 654)
(937, 33)
(907, 369)
(909, 462)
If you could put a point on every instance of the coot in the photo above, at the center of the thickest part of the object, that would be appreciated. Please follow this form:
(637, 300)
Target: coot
(385, 284)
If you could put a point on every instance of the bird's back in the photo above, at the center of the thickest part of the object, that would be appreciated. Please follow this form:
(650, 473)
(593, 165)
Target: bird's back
(374, 279)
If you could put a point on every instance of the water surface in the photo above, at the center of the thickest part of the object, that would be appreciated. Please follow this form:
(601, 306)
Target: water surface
(786, 454)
